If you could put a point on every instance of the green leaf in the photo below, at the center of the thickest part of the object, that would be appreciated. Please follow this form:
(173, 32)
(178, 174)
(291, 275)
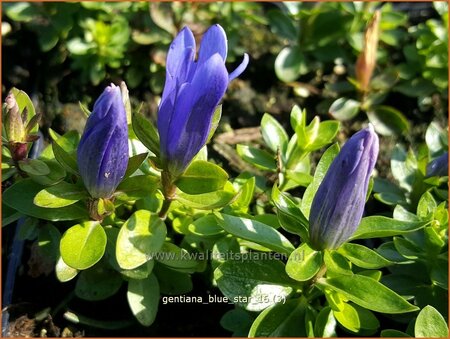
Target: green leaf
(289, 214)
(255, 231)
(259, 158)
(215, 122)
(173, 282)
(282, 25)
(274, 134)
(140, 237)
(281, 320)
(363, 257)
(206, 226)
(318, 134)
(60, 195)
(48, 241)
(325, 325)
(177, 258)
(430, 324)
(246, 189)
(253, 284)
(134, 163)
(336, 264)
(357, 319)
(143, 298)
(304, 263)
(380, 299)
(98, 283)
(20, 197)
(290, 63)
(146, 132)
(388, 120)
(321, 169)
(83, 245)
(393, 334)
(136, 187)
(64, 272)
(34, 167)
(207, 201)
(344, 109)
(378, 226)
(237, 321)
(57, 174)
(67, 160)
(202, 177)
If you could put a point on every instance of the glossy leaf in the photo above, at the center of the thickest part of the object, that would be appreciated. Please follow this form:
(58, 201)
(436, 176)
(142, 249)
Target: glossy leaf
(202, 177)
(20, 197)
(140, 237)
(97, 283)
(143, 298)
(388, 120)
(253, 284)
(378, 226)
(430, 324)
(83, 245)
(344, 109)
(289, 214)
(274, 134)
(259, 158)
(207, 201)
(321, 170)
(281, 320)
(380, 299)
(60, 195)
(146, 132)
(304, 263)
(363, 257)
(255, 231)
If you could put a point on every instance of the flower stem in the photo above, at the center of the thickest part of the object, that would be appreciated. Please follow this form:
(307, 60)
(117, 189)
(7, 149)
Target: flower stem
(169, 190)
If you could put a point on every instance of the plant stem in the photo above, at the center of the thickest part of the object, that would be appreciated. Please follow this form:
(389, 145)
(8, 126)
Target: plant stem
(312, 282)
(164, 209)
(169, 190)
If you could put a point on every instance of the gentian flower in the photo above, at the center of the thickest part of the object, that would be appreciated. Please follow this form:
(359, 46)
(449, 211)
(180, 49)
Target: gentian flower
(338, 205)
(192, 91)
(103, 149)
(439, 166)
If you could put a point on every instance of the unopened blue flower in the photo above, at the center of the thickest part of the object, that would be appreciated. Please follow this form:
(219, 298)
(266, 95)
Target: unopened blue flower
(103, 149)
(192, 91)
(439, 166)
(338, 205)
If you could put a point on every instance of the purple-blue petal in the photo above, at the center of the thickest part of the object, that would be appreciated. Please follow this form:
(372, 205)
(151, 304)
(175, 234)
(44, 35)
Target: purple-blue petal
(241, 68)
(213, 41)
(191, 122)
(176, 56)
(102, 153)
(438, 167)
(338, 205)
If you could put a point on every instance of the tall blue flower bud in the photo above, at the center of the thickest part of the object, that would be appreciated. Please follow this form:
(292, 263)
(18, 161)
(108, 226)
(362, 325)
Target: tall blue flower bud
(338, 205)
(192, 91)
(439, 166)
(103, 149)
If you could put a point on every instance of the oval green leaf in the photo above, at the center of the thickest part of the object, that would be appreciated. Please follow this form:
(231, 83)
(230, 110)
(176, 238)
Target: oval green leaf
(83, 245)
(140, 237)
(303, 263)
(255, 231)
(368, 293)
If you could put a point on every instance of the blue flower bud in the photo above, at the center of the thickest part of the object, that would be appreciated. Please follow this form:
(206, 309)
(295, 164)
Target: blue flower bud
(439, 166)
(192, 91)
(338, 205)
(103, 149)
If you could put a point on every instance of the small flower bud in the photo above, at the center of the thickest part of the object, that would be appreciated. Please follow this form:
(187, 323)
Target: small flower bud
(103, 149)
(338, 205)
(439, 166)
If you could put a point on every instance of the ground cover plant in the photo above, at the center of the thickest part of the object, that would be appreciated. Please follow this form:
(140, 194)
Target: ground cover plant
(225, 169)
